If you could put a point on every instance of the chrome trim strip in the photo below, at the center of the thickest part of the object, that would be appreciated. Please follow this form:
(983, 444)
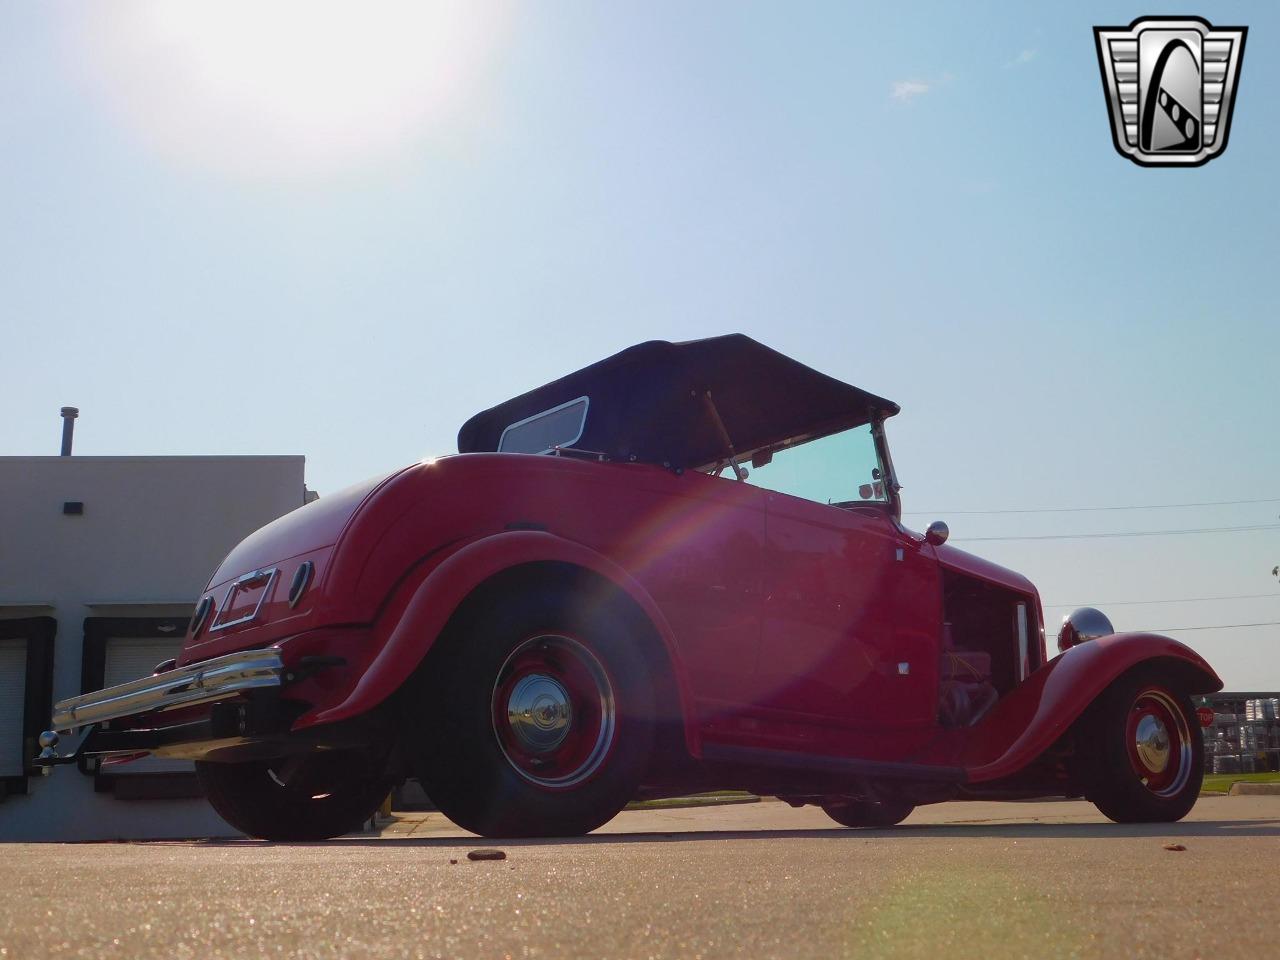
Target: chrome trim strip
(306, 570)
(186, 686)
(253, 576)
(1024, 641)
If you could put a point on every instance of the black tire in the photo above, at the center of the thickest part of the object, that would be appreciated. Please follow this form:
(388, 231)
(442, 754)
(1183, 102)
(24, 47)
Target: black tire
(477, 763)
(1121, 748)
(865, 813)
(314, 797)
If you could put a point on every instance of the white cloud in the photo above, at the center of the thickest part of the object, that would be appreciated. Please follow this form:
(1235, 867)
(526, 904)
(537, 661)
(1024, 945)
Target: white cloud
(1024, 57)
(907, 90)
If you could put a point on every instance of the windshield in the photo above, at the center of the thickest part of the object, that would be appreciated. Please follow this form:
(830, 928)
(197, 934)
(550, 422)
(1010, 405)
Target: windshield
(839, 469)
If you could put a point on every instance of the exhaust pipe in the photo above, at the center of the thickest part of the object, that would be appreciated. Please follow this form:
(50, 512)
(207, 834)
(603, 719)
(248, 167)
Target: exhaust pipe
(69, 415)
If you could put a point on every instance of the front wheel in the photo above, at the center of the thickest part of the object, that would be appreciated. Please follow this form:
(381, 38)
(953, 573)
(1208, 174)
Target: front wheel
(1148, 762)
(311, 797)
(865, 813)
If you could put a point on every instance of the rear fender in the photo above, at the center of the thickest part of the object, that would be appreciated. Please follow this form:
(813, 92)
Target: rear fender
(447, 584)
(1028, 720)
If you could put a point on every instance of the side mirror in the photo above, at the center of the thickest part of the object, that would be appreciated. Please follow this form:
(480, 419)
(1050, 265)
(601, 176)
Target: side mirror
(865, 491)
(937, 533)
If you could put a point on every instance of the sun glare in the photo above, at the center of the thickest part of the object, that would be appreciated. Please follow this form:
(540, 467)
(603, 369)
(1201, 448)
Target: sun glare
(287, 86)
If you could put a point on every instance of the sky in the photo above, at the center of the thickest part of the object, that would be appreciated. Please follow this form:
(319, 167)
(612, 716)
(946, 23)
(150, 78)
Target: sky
(341, 230)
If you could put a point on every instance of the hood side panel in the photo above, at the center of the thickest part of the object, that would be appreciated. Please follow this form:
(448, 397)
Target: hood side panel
(961, 561)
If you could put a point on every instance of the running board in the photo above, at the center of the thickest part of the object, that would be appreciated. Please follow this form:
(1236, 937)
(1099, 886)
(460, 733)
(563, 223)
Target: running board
(832, 766)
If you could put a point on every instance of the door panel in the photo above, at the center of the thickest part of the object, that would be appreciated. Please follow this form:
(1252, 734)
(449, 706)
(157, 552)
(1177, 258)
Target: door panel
(917, 628)
(696, 544)
(842, 612)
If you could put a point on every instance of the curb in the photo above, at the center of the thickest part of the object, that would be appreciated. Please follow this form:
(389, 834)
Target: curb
(1245, 788)
(680, 803)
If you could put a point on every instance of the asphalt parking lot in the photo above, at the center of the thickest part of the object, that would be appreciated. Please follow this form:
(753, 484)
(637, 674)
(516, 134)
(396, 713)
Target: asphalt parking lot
(759, 880)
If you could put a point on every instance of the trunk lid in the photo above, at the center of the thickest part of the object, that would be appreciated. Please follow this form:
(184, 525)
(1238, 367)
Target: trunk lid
(250, 589)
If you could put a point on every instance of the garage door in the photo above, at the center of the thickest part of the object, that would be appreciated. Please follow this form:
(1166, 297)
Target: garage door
(13, 694)
(129, 658)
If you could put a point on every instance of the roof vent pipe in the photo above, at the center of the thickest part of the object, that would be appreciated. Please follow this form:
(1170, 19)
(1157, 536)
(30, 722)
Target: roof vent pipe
(69, 415)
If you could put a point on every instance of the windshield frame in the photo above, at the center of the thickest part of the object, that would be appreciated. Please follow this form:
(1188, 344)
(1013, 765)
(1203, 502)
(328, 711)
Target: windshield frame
(888, 476)
(892, 486)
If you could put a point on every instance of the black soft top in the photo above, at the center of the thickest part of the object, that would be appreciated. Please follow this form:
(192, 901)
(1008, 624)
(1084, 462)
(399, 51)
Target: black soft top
(649, 403)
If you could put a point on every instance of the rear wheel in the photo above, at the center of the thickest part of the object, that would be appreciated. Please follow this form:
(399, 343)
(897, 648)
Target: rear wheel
(865, 813)
(1149, 755)
(311, 797)
(531, 718)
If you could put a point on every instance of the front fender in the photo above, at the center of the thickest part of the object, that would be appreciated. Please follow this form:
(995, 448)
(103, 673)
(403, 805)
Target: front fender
(1028, 720)
(450, 582)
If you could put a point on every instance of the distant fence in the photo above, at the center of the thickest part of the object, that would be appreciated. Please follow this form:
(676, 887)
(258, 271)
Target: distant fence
(1245, 734)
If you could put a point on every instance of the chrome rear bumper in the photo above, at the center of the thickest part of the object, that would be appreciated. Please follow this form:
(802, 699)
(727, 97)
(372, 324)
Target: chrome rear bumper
(187, 686)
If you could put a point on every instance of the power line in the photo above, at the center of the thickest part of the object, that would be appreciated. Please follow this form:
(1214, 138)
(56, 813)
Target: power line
(1138, 506)
(1221, 626)
(1131, 603)
(1130, 533)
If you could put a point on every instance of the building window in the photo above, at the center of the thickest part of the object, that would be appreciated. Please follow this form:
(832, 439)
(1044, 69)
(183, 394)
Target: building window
(26, 696)
(117, 650)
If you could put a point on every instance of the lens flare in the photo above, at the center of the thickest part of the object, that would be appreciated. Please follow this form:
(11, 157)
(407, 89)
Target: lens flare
(286, 86)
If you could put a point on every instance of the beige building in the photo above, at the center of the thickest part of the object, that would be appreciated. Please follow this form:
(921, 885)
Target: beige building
(101, 561)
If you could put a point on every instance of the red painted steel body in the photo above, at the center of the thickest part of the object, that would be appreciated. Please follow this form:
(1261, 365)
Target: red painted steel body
(784, 623)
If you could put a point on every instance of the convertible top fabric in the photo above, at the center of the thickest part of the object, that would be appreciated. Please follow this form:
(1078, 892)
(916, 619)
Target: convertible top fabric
(648, 403)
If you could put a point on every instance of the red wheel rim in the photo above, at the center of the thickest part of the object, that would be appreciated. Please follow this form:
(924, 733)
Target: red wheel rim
(1158, 740)
(554, 712)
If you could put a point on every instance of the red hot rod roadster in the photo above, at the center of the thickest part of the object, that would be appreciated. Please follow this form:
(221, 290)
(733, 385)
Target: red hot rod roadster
(678, 569)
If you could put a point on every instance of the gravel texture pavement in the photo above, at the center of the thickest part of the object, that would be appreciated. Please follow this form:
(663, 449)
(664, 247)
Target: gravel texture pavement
(759, 880)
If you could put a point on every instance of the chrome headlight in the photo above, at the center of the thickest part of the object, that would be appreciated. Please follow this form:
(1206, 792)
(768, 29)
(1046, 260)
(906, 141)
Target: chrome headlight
(1083, 624)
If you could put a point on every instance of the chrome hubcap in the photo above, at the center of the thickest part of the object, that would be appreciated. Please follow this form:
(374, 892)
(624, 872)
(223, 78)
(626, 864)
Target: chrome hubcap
(554, 712)
(540, 712)
(1152, 743)
(1158, 739)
